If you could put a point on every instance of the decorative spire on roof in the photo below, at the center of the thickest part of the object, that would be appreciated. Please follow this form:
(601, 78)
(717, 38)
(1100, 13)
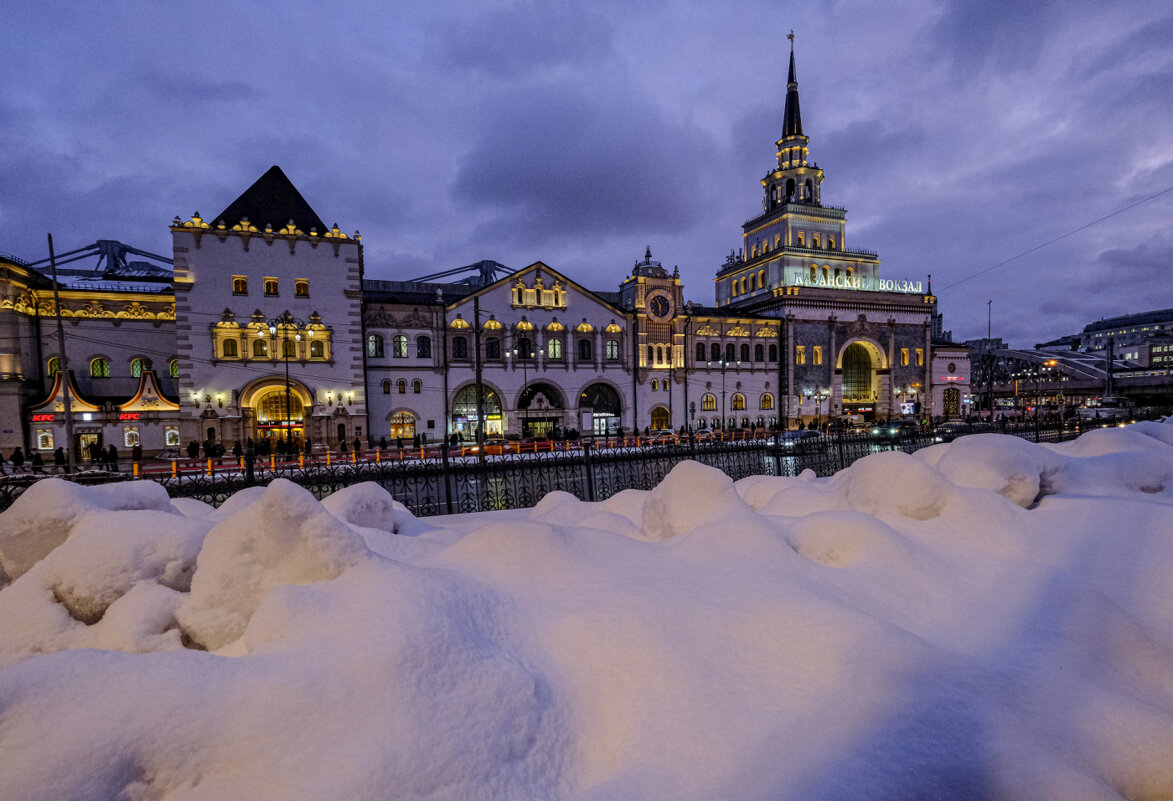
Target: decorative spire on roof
(792, 119)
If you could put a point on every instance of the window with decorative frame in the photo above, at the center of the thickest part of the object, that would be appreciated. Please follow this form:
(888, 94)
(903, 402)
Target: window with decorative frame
(709, 402)
(800, 354)
(44, 439)
(301, 288)
(54, 366)
(402, 386)
(386, 386)
(229, 349)
(171, 436)
(737, 402)
(423, 347)
(817, 354)
(612, 349)
(767, 402)
(130, 436)
(399, 346)
(417, 386)
(99, 368)
(239, 285)
(460, 347)
(375, 346)
(173, 368)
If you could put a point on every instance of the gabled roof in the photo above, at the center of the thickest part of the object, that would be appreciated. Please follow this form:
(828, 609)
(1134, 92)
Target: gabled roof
(512, 278)
(272, 200)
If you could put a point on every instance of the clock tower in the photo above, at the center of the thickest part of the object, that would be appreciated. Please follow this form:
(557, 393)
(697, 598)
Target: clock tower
(657, 301)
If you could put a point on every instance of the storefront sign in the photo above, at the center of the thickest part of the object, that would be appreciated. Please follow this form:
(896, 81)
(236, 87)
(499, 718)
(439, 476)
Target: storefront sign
(130, 416)
(802, 278)
(952, 378)
(44, 418)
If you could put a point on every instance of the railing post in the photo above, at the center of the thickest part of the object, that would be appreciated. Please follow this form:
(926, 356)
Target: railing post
(842, 457)
(447, 476)
(778, 453)
(590, 475)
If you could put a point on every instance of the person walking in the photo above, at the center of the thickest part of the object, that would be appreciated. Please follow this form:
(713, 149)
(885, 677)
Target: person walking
(193, 449)
(357, 446)
(237, 450)
(136, 455)
(112, 459)
(38, 463)
(17, 460)
(250, 458)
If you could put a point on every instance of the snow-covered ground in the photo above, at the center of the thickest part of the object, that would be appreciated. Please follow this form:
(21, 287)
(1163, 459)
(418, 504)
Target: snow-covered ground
(985, 619)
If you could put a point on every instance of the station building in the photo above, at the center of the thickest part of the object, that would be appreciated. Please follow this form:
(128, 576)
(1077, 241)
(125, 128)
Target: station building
(266, 327)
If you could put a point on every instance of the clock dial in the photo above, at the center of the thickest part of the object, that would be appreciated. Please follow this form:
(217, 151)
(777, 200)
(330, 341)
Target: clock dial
(659, 307)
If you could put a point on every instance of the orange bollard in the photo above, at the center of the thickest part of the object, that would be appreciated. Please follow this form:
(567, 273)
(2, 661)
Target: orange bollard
(327, 458)
(301, 461)
(273, 462)
(134, 469)
(209, 467)
(354, 457)
(378, 455)
(242, 464)
(174, 469)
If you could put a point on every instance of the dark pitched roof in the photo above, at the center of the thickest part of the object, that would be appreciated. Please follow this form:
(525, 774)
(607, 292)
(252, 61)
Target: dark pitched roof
(272, 200)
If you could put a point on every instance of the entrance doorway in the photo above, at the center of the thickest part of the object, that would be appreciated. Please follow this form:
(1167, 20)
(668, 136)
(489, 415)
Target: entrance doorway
(276, 421)
(604, 405)
(952, 402)
(86, 441)
(402, 425)
(464, 412)
(540, 408)
(861, 380)
(661, 420)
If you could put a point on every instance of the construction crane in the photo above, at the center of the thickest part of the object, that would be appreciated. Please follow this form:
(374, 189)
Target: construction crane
(112, 259)
(483, 273)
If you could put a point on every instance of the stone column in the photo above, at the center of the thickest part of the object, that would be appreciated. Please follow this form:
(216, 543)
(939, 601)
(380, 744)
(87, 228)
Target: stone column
(891, 365)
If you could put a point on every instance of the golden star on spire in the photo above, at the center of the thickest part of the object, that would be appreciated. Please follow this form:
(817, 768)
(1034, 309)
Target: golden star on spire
(790, 36)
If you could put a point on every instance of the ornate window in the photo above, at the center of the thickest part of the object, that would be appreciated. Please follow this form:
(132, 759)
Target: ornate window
(130, 436)
(459, 347)
(402, 385)
(239, 285)
(136, 368)
(745, 353)
(715, 352)
(288, 349)
(399, 346)
(301, 288)
(700, 352)
(54, 366)
(375, 346)
(709, 402)
(44, 439)
(171, 437)
(800, 354)
(493, 348)
(99, 368)
(817, 354)
(229, 349)
(554, 348)
(655, 385)
(260, 348)
(613, 349)
(737, 402)
(423, 347)
(759, 353)
(173, 368)
(317, 349)
(730, 352)
(904, 357)
(761, 279)
(773, 353)
(417, 386)
(386, 386)
(525, 348)
(584, 350)
(767, 402)
(271, 287)
(814, 273)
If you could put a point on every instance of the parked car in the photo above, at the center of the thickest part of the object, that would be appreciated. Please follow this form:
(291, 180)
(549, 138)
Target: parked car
(896, 429)
(495, 446)
(804, 439)
(947, 432)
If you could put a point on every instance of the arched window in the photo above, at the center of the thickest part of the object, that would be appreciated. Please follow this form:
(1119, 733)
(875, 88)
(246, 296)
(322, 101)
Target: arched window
(810, 189)
(745, 352)
(317, 349)
(402, 386)
(270, 286)
(99, 368)
(814, 272)
(525, 348)
(173, 368)
(830, 243)
(743, 284)
(759, 353)
(666, 386)
(584, 350)
(659, 355)
(554, 348)
(730, 352)
(700, 352)
(800, 354)
(228, 349)
(767, 402)
(613, 349)
(386, 386)
(737, 401)
(239, 285)
(288, 349)
(301, 288)
(136, 368)
(714, 352)
(655, 385)
(375, 346)
(733, 291)
(399, 346)
(423, 347)
(493, 348)
(54, 366)
(850, 273)
(709, 402)
(417, 386)
(773, 353)
(761, 279)
(459, 347)
(826, 272)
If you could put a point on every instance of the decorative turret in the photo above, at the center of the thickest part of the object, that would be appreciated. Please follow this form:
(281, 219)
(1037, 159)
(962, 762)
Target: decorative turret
(796, 179)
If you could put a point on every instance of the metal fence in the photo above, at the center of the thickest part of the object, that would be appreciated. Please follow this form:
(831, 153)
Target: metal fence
(455, 484)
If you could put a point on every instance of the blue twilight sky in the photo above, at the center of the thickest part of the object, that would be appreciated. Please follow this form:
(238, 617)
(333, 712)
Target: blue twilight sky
(957, 134)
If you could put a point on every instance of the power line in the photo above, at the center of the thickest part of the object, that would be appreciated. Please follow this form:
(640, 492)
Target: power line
(1072, 232)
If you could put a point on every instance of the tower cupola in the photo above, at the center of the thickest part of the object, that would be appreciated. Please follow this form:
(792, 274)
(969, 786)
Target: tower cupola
(796, 179)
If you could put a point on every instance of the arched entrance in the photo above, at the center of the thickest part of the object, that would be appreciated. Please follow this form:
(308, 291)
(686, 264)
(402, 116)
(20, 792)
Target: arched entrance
(540, 408)
(602, 402)
(860, 363)
(951, 401)
(464, 412)
(402, 425)
(279, 416)
(661, 418)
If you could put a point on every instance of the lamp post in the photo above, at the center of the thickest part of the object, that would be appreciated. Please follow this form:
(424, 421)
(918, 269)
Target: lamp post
(819, 397)
(520, 355)
(723, 365)
(283, 324)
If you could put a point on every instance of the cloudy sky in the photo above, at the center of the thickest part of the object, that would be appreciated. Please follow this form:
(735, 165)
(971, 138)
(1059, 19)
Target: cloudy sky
(957, 134)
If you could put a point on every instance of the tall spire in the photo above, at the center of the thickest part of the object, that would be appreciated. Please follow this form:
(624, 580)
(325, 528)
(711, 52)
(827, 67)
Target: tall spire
(792, 120)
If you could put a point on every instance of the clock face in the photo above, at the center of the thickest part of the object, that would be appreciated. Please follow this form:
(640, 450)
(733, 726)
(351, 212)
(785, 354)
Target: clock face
(659, 306)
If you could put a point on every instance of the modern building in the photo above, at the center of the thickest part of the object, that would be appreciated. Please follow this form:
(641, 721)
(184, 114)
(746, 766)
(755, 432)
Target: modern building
(267, 328)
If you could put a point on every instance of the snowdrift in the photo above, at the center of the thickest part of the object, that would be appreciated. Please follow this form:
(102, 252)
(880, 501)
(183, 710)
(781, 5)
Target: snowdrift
(986, 619)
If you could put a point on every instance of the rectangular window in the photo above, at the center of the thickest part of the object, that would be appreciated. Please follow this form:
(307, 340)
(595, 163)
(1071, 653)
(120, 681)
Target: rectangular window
(301, 288)
(271, 287)
(130, 437)
(904, 357)
(920, 357)
(239, 285)
(818, 354)
(44, 439)
(172, 437)
(800, 354)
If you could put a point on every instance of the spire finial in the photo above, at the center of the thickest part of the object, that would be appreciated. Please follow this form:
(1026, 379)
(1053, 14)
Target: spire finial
(790, 36)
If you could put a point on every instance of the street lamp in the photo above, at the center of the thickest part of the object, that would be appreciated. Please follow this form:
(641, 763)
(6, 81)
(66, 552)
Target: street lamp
(723, 364)
(521, 356)
(819, 397)
(283, 324)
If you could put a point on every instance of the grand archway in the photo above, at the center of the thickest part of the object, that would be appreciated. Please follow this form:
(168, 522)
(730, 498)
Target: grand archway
(401, 426)
(602, 402)
(465, 414)
(540, 407)
(278, 415)
(661, 418)
(860, 363)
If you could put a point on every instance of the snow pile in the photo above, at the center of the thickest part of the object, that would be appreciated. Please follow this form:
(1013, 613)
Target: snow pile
(988, 618)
